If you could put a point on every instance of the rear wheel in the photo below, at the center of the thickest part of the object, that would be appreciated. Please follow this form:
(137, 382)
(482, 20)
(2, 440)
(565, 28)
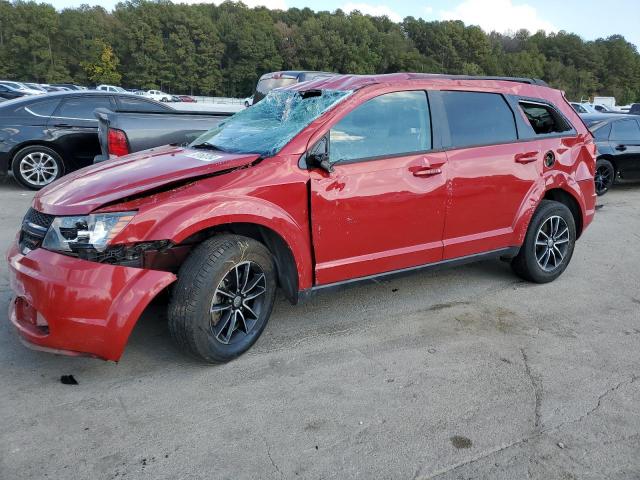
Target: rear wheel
(223, 298)
(604, 177)
(549, 243)
(37, 166)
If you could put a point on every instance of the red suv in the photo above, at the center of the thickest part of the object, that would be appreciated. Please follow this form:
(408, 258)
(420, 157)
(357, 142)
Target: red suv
(319, 185)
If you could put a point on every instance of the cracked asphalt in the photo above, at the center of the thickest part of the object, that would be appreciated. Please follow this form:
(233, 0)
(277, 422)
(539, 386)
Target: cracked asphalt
(466, 373)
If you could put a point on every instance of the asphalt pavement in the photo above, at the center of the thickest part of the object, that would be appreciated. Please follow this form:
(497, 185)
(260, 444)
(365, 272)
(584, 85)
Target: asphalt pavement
(465, 373)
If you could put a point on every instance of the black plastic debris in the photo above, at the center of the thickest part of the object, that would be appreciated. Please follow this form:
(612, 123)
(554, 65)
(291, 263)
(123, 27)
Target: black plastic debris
(68, 380)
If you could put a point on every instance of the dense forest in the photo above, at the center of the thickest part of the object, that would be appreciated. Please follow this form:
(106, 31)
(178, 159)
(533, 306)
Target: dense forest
(222, 50)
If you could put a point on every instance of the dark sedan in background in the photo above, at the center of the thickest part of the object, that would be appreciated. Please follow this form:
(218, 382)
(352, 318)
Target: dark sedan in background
(45, 136)
(618, 141)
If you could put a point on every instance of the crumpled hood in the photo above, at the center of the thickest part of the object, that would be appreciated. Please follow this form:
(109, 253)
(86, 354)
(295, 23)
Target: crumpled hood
(89, 188)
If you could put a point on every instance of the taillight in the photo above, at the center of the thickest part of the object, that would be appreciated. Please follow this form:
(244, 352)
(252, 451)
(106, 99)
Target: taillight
(117, 142)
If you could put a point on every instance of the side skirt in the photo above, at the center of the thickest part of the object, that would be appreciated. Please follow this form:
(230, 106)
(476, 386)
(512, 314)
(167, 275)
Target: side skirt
(506, 253)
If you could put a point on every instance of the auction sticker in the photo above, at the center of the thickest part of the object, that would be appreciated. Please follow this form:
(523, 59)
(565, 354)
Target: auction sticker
(204, 156)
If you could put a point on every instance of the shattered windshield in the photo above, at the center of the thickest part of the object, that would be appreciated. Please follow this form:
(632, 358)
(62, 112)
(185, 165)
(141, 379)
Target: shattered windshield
(270, 124)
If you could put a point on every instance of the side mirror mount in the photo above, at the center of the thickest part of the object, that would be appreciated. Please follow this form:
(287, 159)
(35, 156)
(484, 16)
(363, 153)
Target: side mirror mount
(320, 160)
(318, 156)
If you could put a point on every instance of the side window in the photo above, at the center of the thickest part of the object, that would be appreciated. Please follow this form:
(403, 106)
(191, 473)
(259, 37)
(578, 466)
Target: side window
(45, 108)
(625, 131)
(129, 104)
(82, 107)
(390, 124)
(476, 118)
(578, 108)
(544, 119)
(602, 133)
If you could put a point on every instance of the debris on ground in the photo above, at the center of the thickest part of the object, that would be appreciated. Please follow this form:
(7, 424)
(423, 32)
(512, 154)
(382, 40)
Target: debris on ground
(68, 380)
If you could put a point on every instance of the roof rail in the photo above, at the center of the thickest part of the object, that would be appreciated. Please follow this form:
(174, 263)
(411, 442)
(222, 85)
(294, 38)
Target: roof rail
(530, 81)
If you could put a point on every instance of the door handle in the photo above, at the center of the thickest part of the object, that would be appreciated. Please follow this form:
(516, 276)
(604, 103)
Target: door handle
(621, 148)
(62, 125)
(526, 157)
(427, 171)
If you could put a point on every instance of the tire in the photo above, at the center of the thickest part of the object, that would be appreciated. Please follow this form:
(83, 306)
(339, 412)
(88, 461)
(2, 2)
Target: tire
(530, 261)
(25, 164)
(604, 177)
(210, 269)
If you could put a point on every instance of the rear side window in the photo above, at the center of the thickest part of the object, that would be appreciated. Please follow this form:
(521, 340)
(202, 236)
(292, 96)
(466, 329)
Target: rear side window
(602, 133)
(625, 131)
(128, 104)
(544, 119)
(45, 108)
(388, 125)
(478, 118)
(82, 107)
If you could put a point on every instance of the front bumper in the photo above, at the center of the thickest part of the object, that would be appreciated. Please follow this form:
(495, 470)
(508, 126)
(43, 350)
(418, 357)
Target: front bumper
(76, 307)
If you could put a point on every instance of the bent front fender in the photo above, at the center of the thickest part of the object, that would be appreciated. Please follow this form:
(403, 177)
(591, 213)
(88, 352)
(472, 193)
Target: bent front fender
(191, 219)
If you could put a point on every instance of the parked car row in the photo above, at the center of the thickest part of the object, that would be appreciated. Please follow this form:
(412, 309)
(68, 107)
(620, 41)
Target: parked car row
(320, 184)
(10, 89)
(157, 95)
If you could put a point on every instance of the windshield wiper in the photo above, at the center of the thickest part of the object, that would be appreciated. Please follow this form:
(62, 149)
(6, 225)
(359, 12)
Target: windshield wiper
(208, 146)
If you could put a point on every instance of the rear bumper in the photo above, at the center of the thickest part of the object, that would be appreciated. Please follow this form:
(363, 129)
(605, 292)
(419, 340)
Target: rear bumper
(75, 307)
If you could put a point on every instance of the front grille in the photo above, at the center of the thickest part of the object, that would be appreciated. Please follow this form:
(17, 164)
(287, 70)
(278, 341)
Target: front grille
(34, 227)
(40, 219)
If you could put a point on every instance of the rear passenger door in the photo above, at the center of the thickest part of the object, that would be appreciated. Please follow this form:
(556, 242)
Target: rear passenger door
(490, 173)
(75, 127)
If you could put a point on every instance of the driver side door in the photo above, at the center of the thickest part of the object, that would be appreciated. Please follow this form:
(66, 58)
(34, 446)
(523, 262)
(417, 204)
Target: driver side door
(383, 206)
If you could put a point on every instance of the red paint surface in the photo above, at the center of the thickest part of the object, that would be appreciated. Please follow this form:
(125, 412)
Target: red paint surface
(90, 308)
(366, 218)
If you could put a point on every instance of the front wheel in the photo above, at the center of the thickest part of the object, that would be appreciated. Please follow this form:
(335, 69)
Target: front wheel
(604, 177)
(548, 245)
(223, 298)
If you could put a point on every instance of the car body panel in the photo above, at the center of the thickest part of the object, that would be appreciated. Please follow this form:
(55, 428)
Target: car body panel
(353, 208)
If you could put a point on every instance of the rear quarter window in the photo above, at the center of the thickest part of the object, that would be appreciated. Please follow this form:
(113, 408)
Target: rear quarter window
(477, 118)
(44, 108)
(544, 119)
(602, 132)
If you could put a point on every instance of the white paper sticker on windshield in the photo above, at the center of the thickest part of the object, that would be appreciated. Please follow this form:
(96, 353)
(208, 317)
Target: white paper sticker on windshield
(205, 156)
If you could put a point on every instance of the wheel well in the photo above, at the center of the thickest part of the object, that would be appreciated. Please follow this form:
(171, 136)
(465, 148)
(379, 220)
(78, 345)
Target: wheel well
(284, 259)
(36, 143)
(564, 197)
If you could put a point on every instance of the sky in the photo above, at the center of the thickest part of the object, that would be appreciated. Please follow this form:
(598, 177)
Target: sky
(590, 19)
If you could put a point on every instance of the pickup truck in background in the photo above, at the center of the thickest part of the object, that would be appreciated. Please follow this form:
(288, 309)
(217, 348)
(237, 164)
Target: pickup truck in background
(121, 133)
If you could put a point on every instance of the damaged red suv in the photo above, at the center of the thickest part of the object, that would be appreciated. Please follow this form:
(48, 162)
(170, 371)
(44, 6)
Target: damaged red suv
(321, 184)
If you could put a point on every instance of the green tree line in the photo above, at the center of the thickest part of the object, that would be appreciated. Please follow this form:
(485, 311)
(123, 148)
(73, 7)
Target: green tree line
(223, 50)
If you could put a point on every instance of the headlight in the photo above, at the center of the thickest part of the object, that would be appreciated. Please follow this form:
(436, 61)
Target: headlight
(73, 234)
